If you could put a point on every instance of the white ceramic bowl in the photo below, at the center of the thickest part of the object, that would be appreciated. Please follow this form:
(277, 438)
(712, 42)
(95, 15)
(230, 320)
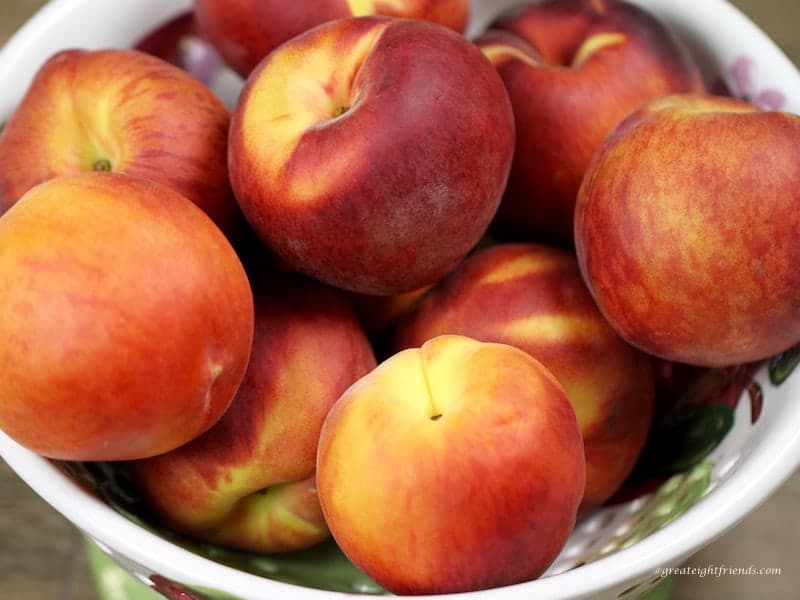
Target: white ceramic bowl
(622, 546)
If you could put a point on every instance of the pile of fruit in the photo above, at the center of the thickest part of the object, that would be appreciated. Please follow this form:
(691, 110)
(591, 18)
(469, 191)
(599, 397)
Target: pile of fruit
(515, 228)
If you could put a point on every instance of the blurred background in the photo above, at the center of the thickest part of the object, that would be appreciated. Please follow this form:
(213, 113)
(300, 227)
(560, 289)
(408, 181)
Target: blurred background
(42, 555)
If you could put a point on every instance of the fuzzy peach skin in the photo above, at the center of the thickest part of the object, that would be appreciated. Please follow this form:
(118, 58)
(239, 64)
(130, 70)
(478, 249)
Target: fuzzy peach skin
(245, 31)
(126, 319)
(574, 69)
(121, 111)
(686, 230)
(372, 153)
(249, 482)
(532, 297)
(452, 467)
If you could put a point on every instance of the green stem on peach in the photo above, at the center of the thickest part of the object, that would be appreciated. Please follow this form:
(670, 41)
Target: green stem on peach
(101, 165)
(435, 413)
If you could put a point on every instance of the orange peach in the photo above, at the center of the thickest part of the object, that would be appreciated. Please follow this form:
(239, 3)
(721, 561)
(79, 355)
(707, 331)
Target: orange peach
(249, 481)
(686, 230)
(121, 111)
(126, 319)
(574, 69)
(446, 464)
(245, 31)
(372, 153)
(532, 297)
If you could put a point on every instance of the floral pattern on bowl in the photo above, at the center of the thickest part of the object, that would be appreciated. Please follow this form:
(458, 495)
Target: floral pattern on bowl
(743, 75)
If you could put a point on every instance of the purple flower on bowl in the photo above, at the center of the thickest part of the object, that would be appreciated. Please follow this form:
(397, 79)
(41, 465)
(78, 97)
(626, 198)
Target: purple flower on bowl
(744, 76)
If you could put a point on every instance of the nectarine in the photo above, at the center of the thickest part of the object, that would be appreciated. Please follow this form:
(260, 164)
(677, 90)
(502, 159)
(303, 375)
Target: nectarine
(126, 319)
(249, 481)
(452, 467)
(372, 153)
(687, 226)
(126, 112)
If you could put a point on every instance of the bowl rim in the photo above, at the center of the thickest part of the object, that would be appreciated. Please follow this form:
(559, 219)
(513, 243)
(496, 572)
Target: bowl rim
(768, 465)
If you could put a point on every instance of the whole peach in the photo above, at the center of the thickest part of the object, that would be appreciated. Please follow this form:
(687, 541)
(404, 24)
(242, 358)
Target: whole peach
(126, 319)
(126, 112)
(452, 467)
(249, 481)
(372, 153)
(686, 230)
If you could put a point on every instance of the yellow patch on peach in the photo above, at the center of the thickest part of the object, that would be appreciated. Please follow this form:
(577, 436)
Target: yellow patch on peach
(594, 44)
(309, 83)
(362, 8)
(501, 53)
(697, 103)
(583, 393)
(525, 265)
(258, 517)
(86, 128)
(557, 329)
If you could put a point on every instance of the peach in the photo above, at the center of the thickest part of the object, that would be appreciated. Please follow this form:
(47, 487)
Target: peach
(452, 467)
(249, 481)
(574, 69)
(126, 319)
(171, 40)
(372, 153)
(532, 297)
(686, 230)
(126, 112)
(245, 31)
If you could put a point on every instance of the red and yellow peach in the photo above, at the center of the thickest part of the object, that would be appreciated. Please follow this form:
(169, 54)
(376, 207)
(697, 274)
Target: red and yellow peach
(249, 482)
(126, 319)
(121, 111)
(372, 153)
(686, 230)
(446, 464)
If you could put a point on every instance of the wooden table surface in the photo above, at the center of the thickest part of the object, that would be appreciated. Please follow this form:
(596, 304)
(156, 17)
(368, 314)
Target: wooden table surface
(41, 556)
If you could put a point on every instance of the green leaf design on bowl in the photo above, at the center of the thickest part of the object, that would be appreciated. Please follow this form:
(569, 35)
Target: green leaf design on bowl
(673, 498)
(326, 567)
(700, 430)
(686, 438)
(782, 365)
